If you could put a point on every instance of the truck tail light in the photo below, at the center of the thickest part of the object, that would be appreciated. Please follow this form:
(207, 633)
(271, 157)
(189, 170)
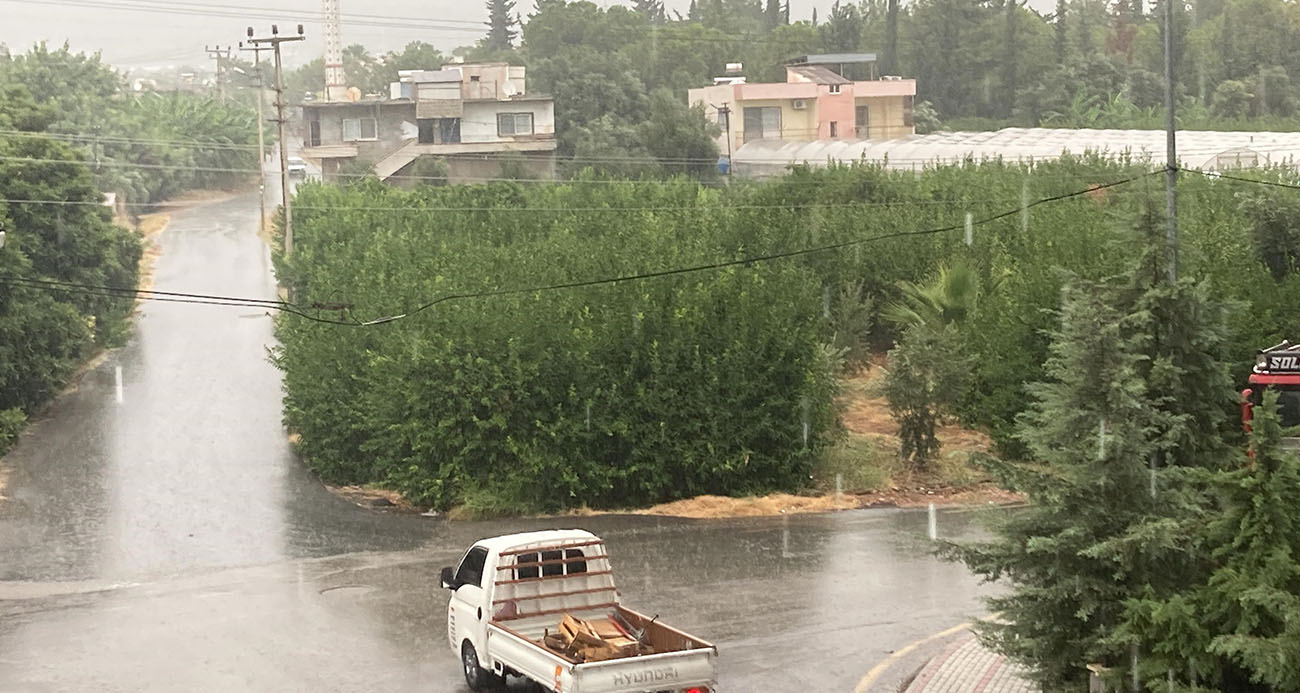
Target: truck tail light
(697, 689)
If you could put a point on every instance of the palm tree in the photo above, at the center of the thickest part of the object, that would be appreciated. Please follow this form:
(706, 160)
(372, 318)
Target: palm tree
(947, 299)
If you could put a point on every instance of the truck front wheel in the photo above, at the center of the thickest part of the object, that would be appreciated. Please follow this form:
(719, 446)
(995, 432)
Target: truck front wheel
(476, 677)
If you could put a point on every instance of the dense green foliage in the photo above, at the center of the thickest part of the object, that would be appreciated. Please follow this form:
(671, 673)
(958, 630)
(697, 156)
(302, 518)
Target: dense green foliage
(398, 410)
(981, 64)
(607, 395)
(147, 146)
(45, 334)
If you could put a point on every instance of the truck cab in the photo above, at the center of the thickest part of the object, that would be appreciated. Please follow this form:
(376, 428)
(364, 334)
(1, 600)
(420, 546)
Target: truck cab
(1276, 368)
(513, 597)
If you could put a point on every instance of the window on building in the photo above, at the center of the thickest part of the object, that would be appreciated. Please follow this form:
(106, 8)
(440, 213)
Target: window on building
(762, 122)
(835, 129)
(355, 129)
(512, 124)
(862, 114)
(907, 110)
(835, 88)
(439, 130)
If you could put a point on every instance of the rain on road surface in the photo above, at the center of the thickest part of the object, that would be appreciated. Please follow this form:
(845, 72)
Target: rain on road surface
(168, 540)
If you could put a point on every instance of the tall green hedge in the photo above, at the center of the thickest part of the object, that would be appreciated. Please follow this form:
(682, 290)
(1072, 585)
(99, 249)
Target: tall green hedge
(610, 395)
(698, 382)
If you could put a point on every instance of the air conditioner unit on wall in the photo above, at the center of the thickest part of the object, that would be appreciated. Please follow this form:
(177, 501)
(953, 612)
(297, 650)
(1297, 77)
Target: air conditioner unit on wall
(799, 104)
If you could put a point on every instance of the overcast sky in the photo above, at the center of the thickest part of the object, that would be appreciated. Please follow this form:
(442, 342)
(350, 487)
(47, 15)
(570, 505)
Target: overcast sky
(138, 33)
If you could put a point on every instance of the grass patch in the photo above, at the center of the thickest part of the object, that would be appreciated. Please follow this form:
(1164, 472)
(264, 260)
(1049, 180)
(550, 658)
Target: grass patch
(864, 463)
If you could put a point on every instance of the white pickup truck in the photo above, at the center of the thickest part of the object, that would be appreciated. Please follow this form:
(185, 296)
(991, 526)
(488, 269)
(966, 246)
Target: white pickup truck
(509, 592)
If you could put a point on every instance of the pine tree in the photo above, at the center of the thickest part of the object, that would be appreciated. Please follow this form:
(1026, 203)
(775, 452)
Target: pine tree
(1134, 380)
(1087, 428)
(1255, 592)
(1239, 629)
(693, 13)
(501, 20)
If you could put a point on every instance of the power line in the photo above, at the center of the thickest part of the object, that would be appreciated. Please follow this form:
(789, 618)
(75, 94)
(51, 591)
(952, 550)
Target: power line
(250, 13)
(749, 260)
(583, 210)
(116, 139)
(170, 297)
(653, 32)
(886, 162)
(1218, 175)
(180, 297)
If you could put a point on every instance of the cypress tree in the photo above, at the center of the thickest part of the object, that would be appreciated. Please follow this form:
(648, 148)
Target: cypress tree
(785, 12)
(772, 13)
(814, 18)
(653, 10)
(890, 66)
(1062, 35)
(693, 13)
(501, 22)
(1010, 54)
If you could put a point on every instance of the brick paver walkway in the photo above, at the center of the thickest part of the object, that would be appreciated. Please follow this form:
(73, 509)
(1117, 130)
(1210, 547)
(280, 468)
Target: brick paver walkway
(966, 667)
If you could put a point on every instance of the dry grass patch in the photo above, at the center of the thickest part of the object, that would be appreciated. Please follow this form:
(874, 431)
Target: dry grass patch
(773, 504)
(374, 498)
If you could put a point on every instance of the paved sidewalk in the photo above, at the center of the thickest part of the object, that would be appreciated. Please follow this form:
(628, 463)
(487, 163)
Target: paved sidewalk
(966, 667)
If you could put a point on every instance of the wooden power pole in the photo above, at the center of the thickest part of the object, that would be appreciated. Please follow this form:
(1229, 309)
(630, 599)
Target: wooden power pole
(274, 41)
(219, 54)
(261, 135)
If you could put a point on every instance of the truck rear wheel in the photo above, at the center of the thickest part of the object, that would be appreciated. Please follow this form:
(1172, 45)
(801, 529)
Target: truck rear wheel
(476, 677)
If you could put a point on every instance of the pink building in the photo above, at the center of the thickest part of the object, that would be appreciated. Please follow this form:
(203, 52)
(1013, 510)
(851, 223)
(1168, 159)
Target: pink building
(816, 102)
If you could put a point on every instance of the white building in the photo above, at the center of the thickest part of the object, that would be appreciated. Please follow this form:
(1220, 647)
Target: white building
(474, 117)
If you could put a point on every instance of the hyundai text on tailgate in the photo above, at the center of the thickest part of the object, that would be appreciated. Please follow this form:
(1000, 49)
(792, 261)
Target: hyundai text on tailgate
(543, 605)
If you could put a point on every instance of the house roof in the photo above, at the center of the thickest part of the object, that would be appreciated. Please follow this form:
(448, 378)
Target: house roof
(834, 59)
(1200, 149)
(443, 75)
(819, 74)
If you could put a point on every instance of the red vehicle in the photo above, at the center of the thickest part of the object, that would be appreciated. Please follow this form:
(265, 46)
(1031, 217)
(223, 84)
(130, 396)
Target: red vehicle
(1276, 368)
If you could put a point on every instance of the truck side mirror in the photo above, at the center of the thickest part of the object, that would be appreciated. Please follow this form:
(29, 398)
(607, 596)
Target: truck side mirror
(448, 582)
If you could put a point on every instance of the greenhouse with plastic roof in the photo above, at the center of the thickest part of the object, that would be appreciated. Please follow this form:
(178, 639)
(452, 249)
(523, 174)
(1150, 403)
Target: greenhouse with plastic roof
(1197, 149)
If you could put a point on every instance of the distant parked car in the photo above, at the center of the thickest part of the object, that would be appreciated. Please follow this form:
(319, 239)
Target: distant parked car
(297, 167)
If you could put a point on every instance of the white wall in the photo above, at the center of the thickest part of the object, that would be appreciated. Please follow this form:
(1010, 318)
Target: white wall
(479, 121)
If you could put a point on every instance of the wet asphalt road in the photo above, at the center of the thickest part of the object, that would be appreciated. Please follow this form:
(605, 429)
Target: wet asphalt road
(165, 538)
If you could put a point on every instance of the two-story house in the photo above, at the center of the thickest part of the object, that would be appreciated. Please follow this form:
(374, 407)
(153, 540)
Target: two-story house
(816, 102)
(471, 116)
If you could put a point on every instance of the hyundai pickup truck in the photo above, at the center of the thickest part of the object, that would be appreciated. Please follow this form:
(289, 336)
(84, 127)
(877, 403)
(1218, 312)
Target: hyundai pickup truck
(510, 596)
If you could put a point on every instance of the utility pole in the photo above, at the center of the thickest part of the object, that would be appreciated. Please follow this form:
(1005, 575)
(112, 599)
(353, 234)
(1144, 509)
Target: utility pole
(1171, 153)
(261, 136)
(724, 114)
(219, 54)
(274, 40)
